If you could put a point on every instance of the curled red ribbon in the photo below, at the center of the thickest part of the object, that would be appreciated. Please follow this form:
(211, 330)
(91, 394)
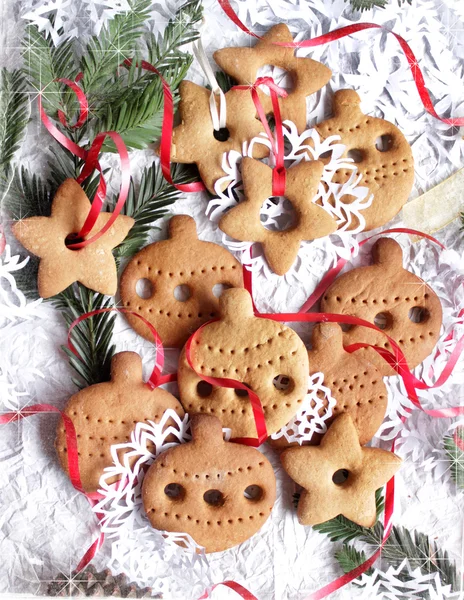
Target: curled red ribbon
(342, 32)
(277, 141)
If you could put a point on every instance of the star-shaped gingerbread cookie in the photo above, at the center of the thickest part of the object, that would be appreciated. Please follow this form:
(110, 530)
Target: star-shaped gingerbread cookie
(339, 477)
(59, 267)
(308, 75)
(196, 141)
(280, 247)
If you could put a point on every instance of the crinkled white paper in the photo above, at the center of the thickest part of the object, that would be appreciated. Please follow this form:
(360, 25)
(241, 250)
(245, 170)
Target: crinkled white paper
(45, 526)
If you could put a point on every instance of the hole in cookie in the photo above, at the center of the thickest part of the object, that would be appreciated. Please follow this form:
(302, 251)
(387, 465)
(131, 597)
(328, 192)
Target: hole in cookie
(204, 389)
(346, 327)
(418, 314)
(340, 476)
(174, 491)
(383, 320)
(384, 143)
(356, 155)
(182, 293)
(73, 238)
(214, 498)
(221, 135)
(281, 77)
(144, 288)
(242, 393)
(277, 214)
(253, 492)
(219, 288)
(283, 383)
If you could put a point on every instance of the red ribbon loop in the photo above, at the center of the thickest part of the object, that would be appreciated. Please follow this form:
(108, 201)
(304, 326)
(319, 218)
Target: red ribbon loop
(277, 141)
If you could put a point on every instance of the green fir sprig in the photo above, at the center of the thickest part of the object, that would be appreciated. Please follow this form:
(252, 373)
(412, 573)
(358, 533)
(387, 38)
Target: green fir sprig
(92, 337)
(362, 5)
(415, 547)
(454, 449)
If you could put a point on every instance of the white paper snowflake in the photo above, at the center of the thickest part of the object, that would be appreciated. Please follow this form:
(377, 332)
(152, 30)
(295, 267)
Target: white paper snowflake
(277, 214)
(313, 414)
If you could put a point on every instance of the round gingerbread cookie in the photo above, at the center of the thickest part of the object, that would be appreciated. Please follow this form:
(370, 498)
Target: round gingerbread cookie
(356, 385)
(267, 356)
(106, 413)
(381, 153)
(182, 275)
(218, 492)
(392, 298)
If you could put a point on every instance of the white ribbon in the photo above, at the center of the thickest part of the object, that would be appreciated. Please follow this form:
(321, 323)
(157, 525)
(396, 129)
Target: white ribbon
(219, 119)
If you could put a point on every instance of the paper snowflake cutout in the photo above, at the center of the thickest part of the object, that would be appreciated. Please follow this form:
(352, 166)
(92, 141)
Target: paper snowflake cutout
(277, 214)
(313, 414)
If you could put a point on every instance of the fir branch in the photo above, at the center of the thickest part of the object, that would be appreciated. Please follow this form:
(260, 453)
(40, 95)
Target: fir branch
(349, 558)
(163, 52)
(43, 63)
(148, 204)
(454, 448)
(15, 117)
(362, 5)
(106, 52)
(92, 337)
(225, 81)
(28, 196)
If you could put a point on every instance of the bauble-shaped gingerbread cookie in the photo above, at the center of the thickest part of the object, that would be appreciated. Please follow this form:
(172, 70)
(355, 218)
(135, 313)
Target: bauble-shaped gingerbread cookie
(219, 492)
(355, 384)
(394, 299)
(181, 264)
(266, 356)
(106, 413)
(381, 154)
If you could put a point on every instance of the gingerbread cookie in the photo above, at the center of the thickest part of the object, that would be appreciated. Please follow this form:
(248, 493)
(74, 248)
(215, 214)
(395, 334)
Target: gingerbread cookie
(181, 265)
(195, 139)
(243, 223)
(381, 153)
(356, 385)
(394, 299)
(307, 75)
(339, 477)
(60, 266)
(218, 492)
(265, 355)
(106, 413)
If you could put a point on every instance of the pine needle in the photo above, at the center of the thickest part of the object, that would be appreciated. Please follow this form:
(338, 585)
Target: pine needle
(92, 337)
(349, 558)
(456, 456)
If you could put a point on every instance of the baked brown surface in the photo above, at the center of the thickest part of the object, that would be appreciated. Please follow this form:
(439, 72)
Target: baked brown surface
(389, 175)
(313, 467)
(106, 413)
(252, 350)
(221, 470)
(243, 222)
(181, 260)
(307, 75)
(193, 140)
(59, 267)
(386, 290)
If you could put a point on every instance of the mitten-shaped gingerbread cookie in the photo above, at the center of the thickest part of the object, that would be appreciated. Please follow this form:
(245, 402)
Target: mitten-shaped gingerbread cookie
(182, 275)
(339, 477)
(355, 384)
(218, 492)
(382, 155)
(61, 266)
(307, 75)
(106, 413)
(394, 299)
(196, 141)
(280, 247)
(266, 356)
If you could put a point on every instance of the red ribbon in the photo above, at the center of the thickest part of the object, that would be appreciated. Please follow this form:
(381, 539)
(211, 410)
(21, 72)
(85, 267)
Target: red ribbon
(166, 132)
(257, 407)
(2, 240)
(91, 163)
(277, 141)
(342, 32)
(233, 585)
(458, 439)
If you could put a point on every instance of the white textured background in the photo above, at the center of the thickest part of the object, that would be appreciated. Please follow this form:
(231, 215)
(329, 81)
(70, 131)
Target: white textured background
(45, 525)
